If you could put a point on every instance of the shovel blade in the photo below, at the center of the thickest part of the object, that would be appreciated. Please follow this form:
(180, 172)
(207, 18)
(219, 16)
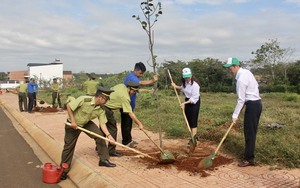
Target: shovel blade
(206, 162)
(167, 157)
(192, 147)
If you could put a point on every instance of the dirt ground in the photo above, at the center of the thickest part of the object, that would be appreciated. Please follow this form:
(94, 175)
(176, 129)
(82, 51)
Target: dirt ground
(45, 109)
(184, 159)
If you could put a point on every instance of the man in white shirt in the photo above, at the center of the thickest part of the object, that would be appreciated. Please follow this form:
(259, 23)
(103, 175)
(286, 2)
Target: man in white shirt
(248, 95)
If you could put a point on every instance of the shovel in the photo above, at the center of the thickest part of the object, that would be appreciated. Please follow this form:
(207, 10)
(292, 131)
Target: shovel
(194, 143)
(116, 143)
(166, 156)
(207, 161)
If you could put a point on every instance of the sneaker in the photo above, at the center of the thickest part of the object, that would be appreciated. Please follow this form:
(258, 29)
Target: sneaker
(132, 144)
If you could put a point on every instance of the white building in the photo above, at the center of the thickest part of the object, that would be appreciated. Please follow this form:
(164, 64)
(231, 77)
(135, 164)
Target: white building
(45, 72)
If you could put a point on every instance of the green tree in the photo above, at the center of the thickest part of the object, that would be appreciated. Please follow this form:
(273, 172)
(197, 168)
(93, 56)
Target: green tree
(79, 79)
(210, 73)
(269, 55)
(150, 10)
(3, 76)
(175, 69)
(293, 74)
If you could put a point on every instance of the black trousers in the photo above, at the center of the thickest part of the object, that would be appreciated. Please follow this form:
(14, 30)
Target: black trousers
(54, 96)
(251, 120)
(192, 113)
(126, 127)
(111, 125)
(34, 99)
(30, 101)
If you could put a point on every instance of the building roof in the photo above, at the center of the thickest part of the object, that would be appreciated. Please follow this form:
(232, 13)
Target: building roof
(67, 72)
(41, 64)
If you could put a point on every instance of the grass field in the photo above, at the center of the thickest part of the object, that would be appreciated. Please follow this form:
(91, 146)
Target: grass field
(278, 147)
(275, 146)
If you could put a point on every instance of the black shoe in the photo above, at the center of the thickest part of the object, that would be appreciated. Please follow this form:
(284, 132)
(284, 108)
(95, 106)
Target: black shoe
(246, 163)
(116, 154)
(106, 163)
(63, 176)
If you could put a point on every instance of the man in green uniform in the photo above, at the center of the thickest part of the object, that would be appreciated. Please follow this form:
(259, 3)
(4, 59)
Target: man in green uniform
(55, 93)
(91, 85)
(120, 99)
(81, 112)
(22, 96)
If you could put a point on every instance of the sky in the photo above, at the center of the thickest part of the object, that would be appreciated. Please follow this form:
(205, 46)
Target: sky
(101, 36)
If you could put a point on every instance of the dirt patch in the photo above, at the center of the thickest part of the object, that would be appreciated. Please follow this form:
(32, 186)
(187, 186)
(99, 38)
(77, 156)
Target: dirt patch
(183, 160)
(45, 109)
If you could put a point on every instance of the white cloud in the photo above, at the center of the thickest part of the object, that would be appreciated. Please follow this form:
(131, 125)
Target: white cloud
(105, 38)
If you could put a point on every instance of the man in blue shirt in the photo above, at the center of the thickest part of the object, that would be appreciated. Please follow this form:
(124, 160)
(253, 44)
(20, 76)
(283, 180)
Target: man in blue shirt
(126, 121)
(32, 89)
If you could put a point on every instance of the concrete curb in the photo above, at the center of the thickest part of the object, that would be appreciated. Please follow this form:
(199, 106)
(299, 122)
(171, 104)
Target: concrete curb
(80, 174)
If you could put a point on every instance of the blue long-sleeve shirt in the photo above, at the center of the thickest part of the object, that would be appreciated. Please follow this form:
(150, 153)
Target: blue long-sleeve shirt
(131, 77)
(32, 87)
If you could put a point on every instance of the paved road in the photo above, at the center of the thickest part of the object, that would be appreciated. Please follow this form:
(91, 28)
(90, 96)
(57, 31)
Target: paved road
(20, 167)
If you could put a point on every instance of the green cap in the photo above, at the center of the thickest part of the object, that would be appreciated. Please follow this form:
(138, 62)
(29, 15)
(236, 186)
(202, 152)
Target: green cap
(232, 61)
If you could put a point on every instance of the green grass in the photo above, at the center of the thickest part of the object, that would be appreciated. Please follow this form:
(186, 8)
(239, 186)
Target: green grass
(278, 146)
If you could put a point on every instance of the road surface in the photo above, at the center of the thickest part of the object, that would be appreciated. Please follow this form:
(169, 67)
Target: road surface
(20, 167)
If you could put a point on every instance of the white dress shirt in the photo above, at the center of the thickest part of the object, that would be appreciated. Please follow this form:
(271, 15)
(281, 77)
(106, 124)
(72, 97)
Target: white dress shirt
(246, 89)
(191, 91)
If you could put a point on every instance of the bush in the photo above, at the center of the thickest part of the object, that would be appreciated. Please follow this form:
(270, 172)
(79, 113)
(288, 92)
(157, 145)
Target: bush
(291, 97)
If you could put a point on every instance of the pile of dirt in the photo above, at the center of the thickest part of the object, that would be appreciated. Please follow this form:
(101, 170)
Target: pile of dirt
(183, 160)
(47, 109)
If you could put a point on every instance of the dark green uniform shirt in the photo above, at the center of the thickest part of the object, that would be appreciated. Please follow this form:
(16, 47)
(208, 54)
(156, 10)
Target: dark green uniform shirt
(91, 87)
(84, 110)
(22, 88)
(55, 87)
(119, 99)
(69, 99)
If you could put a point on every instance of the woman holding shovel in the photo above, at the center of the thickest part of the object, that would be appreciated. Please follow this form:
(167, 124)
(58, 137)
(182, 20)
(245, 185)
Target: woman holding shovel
(191, 105)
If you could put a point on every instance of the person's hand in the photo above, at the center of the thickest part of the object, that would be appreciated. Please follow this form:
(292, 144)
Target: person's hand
(74, 126)
(234, 120)
(111, 140)
(173, 84)
(155, 78)
(141, 126)
(182, 105)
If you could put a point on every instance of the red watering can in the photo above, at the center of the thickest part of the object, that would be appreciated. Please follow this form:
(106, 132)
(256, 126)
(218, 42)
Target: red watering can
(52, 173)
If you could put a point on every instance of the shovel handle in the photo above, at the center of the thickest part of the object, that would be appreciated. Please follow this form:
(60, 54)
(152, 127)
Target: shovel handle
(222, 140)
(116, 143)
(154, 142)
(185, 118)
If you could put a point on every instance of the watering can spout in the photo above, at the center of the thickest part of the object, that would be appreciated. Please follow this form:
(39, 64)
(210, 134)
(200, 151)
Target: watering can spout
(61, 170)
